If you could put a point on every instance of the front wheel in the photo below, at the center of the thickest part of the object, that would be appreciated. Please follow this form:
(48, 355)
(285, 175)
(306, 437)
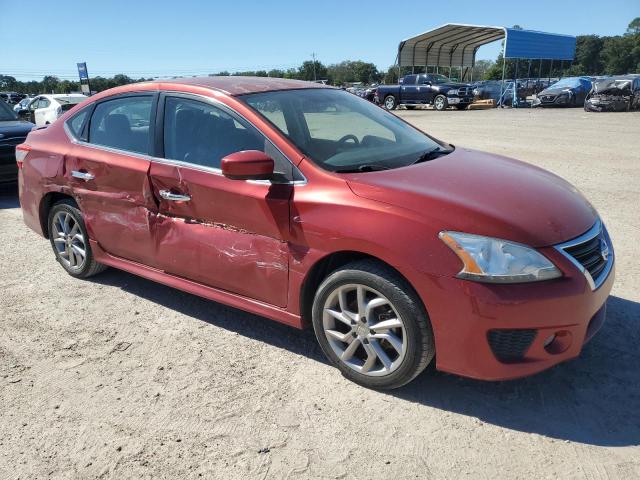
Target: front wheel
(371, 325)
(440, 103)
(390, 102)
(70, 242)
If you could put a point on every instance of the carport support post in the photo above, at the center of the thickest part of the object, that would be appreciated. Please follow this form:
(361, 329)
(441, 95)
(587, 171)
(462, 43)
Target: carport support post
(502, 83)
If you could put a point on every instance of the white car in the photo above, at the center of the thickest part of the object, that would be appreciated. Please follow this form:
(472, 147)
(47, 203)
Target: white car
(45, 109)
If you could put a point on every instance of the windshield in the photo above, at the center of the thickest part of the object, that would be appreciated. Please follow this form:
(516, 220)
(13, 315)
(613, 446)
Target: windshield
(6, 113)
(340, 131)
(567, 83)
(438, 79)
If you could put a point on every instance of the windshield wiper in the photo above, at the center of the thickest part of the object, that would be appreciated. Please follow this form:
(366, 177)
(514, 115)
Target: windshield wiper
(362, 168)
(431, 154)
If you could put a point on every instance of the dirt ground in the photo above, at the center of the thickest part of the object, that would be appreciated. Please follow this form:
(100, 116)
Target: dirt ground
(119, 377)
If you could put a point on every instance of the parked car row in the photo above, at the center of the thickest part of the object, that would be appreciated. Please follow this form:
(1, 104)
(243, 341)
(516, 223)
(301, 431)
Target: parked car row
(13, 131)
(45, 109)
(12, 97)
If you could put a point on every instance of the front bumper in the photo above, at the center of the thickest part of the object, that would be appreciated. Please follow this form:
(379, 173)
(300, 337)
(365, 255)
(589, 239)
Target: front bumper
(459, 100)
(466, 314)
(552, 101)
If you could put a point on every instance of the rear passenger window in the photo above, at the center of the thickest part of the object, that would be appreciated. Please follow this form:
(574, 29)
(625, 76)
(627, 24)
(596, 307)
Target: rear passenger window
(122, 123)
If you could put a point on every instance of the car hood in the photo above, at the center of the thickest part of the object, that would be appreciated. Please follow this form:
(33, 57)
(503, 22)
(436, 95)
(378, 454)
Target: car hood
(14, 128)
(451, 85)
(555, 91)
(485, 194)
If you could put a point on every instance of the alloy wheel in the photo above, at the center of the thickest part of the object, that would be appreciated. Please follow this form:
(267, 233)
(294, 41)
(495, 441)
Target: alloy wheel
(439, 103)
(68, 240)
(389, 103)
(364, 330)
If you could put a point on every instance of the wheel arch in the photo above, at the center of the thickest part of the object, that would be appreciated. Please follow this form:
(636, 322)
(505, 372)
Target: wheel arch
(48, 201)
(328, 264)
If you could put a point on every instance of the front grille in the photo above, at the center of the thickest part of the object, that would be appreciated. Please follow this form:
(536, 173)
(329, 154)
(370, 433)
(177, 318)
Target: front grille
(548, 98)
(589, 255)
(510, 345)
(464, 91)
(592, 253)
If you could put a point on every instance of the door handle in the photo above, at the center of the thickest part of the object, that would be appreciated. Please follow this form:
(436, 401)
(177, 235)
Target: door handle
(82, 175)
(174, 197)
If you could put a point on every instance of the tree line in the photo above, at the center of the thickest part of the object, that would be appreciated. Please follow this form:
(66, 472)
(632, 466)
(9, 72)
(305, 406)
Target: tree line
(595, 55)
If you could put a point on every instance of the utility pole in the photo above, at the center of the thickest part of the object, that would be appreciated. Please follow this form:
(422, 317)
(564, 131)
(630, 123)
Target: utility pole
(313, 55)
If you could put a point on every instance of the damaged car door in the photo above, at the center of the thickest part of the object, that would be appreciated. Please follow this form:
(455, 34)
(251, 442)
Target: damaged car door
(224, 233)
(107, 170)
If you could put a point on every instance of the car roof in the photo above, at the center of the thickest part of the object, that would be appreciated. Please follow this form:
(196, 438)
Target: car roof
(241, 85)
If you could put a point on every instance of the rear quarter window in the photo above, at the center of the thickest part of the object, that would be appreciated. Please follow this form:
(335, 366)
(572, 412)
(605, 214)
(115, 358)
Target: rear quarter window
(77, 122)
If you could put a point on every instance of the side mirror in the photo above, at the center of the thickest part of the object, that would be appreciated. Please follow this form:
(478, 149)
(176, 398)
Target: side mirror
(247, 165)
(427, 83)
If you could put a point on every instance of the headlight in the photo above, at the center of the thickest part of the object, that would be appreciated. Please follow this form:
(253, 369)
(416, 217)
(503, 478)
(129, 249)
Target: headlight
(493, 260)
(452, 93)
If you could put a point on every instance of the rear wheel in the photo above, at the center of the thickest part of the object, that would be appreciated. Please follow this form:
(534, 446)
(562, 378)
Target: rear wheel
(70, 242)
(390, 102)
(371, 325)
(440, 103)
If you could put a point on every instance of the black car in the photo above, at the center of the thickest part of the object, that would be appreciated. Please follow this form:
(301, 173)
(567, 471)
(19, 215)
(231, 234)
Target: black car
(614, 94)
(568, 92)
(13, 131)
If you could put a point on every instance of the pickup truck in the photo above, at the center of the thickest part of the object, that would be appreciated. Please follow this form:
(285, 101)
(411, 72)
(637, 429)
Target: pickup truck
(425, 88)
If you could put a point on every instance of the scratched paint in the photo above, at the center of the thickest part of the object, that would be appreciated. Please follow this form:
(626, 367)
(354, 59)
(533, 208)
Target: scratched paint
(223, 256)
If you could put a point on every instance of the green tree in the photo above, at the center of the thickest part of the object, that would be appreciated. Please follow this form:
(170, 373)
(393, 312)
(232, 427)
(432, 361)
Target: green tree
(310, 70)
(634, 26)
(588, 60)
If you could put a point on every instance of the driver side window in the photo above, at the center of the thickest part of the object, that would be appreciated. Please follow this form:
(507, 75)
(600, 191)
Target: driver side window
(202, 134)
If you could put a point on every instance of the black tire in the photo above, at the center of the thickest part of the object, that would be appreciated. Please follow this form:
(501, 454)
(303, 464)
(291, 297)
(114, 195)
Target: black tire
(420, 346)
(390, 102)
(89, 266)
(442, 104)
(410, 107)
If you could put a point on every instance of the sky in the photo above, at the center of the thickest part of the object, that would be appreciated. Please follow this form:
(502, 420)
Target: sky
(143, 38)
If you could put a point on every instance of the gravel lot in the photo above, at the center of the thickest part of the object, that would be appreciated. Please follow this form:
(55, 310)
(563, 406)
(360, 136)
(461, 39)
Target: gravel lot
(119, 377)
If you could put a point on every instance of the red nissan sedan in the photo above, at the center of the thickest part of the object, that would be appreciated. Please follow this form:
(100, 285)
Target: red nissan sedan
(308, 205)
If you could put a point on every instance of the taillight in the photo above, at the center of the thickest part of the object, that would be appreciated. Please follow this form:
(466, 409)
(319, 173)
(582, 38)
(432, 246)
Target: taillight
(21, 153)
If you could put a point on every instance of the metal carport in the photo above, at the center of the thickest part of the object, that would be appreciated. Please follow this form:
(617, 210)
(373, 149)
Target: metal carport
(456, 45)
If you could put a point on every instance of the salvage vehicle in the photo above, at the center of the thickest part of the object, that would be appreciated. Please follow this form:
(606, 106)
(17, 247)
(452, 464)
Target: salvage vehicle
(311, 206)
(425, 89)
(45, 109)
(23, 105)
(568, 92)
(614, 94)
(13, 131)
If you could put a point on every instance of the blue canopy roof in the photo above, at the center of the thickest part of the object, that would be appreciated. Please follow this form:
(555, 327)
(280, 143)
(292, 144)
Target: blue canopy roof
(456, 45)
(539, 45)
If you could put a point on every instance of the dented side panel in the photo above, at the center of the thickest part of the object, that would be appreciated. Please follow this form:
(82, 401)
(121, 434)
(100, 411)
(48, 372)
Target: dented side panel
(117, 204)
(230, 235)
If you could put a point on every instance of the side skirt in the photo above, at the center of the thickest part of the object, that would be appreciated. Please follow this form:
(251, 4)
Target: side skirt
(210, 293)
